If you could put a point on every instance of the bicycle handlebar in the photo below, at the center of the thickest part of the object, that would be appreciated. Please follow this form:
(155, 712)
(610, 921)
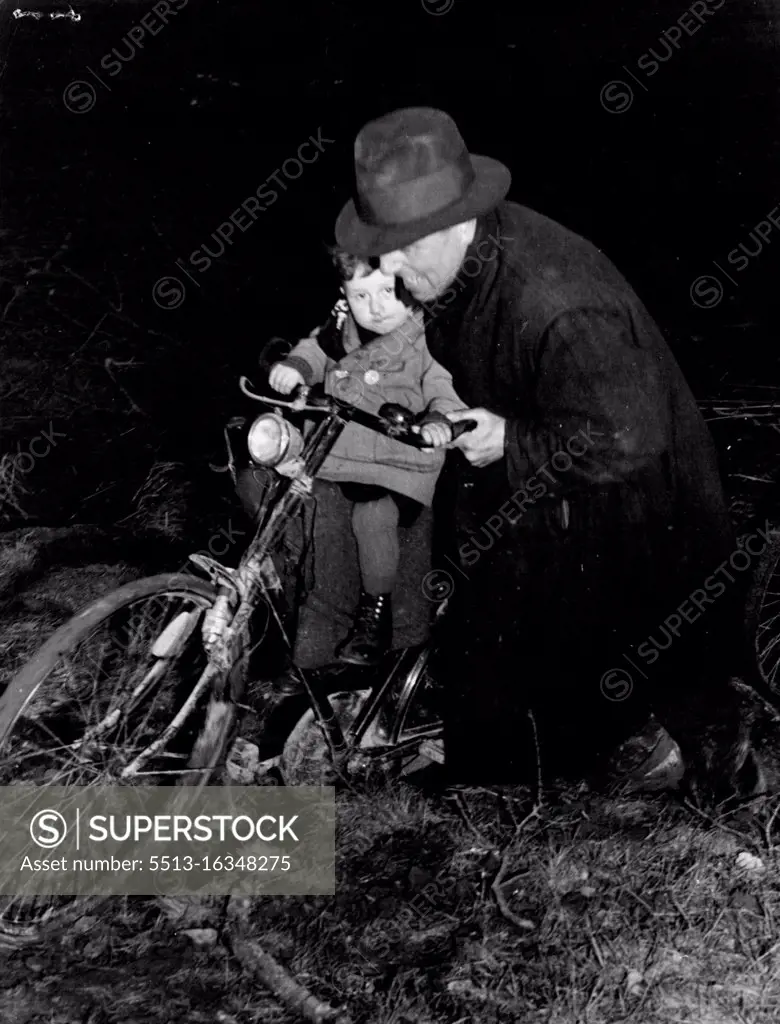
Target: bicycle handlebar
(393, 420)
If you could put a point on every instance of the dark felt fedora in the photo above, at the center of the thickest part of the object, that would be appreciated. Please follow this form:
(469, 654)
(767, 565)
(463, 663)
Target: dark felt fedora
(414, 176)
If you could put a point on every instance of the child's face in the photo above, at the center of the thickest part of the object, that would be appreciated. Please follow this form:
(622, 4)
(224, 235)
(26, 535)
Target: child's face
(373, 302)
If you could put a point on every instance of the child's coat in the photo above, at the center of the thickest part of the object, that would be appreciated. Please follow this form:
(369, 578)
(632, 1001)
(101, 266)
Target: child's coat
(395, 367)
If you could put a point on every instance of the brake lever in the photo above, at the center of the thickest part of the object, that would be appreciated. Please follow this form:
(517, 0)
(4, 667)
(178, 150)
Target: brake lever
(298, 404)
(246, 384)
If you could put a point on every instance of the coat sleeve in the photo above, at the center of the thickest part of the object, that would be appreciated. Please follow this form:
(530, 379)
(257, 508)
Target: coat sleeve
(308, 358)
(438, 393)
(599, 401)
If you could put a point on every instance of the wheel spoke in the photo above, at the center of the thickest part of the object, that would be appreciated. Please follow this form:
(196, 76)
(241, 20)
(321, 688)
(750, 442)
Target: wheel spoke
(175, 725)
(111, 719)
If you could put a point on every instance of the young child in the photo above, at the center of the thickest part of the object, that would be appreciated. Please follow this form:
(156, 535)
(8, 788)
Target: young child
(372, 350)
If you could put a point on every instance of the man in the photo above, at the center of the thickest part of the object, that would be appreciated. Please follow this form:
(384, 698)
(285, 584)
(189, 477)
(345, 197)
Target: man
(589, 507)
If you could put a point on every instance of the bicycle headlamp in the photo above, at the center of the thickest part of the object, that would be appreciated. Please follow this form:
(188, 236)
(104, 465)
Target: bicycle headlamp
(273, 440)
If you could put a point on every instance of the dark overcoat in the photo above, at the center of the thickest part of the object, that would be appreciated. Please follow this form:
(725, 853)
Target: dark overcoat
(586, 555)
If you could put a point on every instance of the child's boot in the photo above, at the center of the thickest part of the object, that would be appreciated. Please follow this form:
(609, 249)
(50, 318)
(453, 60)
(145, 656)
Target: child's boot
(371, 634)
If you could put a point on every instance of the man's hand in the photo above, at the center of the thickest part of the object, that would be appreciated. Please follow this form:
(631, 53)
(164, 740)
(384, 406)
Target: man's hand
(485, 443)
(284, 378)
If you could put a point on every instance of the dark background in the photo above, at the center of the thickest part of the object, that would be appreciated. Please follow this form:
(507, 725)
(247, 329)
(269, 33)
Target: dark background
(207, 109)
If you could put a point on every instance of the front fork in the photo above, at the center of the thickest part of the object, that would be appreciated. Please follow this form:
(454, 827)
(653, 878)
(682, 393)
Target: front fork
(226, 652)
(260, 575)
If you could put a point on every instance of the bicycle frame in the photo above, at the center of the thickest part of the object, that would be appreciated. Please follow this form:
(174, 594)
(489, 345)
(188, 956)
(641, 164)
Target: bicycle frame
(256, 578)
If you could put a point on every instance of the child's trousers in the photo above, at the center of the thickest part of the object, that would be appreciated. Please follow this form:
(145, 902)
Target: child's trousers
(325, 615)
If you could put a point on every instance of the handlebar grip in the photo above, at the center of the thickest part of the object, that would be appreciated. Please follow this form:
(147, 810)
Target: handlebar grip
(462, 428)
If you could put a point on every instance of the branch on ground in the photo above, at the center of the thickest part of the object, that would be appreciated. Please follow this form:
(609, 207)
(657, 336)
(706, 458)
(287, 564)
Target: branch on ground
(289, 992)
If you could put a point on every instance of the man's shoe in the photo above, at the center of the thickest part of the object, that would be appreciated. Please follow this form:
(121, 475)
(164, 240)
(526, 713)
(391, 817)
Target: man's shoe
(371, 634)
(649, 761)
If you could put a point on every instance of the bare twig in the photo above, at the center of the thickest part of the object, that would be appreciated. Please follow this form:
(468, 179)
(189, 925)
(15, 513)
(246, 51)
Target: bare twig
(746, 839)
(459, 802)
(595, 945)
(289, 992)
(55, 256)
(768, 828)
(467, 991)
(92, 287)
(19, 288)
(519, 922)
(738, 403)
(120, 301)
(65, 316)
(99, 491)
(533, 813)
(538, 797)
(640, 901)
(680, 910)
(115, 309)
(10, 486)
(108, 364)
(95, 329)
(722, 414)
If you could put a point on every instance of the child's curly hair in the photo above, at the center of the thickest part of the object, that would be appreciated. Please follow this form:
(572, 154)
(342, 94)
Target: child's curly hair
(349, 266)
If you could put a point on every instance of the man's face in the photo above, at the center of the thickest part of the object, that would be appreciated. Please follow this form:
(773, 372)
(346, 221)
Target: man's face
(373, 302)
(430, 265)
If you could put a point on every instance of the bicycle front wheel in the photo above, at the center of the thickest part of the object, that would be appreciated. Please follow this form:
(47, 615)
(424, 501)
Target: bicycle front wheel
(118, 695)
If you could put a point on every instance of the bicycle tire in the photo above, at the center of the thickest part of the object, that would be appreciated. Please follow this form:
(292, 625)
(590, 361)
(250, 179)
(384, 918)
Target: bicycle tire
(13, 936)
(22, 688)
(762, 633)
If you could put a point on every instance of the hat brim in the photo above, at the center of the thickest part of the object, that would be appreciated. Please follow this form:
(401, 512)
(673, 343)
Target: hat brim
(491, 184)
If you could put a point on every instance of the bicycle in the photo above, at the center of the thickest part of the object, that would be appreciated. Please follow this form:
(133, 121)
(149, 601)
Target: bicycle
(146, 684)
